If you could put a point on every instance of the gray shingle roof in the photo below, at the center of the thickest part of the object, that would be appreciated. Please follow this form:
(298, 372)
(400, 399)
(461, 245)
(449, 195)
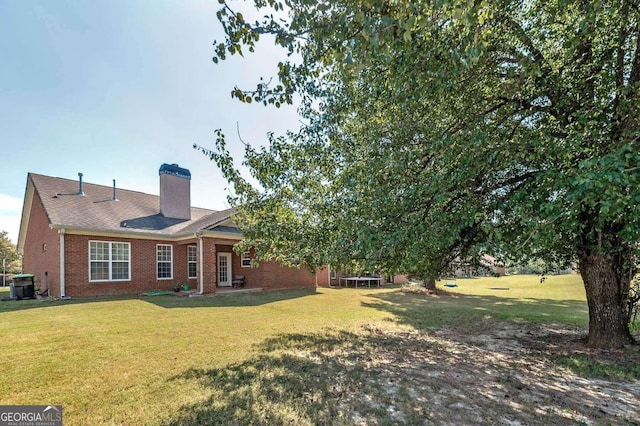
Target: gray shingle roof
(134, 212)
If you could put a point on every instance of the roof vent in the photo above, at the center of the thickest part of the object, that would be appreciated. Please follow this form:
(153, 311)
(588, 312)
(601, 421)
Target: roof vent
(80, 191)
(114, 198)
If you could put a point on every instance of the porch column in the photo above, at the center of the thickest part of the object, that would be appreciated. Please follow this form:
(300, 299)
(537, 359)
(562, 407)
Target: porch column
(201, 259)
(61, 234)
(209, 265)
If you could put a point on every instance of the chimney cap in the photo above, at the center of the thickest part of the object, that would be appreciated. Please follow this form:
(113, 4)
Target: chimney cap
(175, 170)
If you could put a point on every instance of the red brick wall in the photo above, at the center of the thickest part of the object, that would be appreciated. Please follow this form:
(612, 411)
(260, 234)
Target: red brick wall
(143, 268)
(41, 255)
(401, 279)
(210, 262)
(268, 275)
(273, 275)
(323, 277)
(180, 264)
(276, 276)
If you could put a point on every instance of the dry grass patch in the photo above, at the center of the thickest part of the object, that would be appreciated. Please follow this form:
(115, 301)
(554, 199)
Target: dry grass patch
(326, 356)
(384, 374)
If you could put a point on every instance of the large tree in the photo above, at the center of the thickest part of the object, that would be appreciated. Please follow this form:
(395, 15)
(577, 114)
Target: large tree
(9, 254)
(440, 129)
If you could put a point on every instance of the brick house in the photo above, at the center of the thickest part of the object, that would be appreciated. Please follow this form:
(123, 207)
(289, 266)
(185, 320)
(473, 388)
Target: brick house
(82, 239)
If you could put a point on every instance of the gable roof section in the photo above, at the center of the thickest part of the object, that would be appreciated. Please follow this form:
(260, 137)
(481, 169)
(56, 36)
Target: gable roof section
(133, 212)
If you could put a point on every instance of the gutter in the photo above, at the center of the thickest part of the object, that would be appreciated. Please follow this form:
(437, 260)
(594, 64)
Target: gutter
(201, 258)
(62, 290)
(143, 235)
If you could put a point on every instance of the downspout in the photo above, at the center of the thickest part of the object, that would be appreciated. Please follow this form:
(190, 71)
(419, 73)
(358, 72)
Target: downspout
(61, 234)
(201, 256)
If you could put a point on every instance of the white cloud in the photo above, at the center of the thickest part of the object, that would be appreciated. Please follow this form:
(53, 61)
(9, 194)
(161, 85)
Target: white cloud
(11, 224)
(10, 213)
(10, 205)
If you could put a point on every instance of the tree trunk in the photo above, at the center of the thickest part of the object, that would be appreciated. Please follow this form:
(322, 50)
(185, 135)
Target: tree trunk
(429, 284)
(607, 288)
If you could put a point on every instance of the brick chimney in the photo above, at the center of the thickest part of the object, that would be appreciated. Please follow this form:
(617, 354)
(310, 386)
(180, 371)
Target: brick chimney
(175, 192)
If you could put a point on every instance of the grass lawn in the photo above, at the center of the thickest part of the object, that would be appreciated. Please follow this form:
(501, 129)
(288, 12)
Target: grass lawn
(325, 356)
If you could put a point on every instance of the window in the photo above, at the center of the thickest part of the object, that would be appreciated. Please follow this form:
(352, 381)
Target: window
(246, 259)
(334, 274)
(192, 258)
(109, 261)
(164, 261)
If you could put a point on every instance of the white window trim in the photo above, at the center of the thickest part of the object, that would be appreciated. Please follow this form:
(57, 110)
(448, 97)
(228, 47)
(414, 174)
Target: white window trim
(243, 258)
(110, 261)
(195, 261)
(164, 261)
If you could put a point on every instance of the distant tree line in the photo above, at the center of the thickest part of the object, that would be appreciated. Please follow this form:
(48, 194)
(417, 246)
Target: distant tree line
(8, 252)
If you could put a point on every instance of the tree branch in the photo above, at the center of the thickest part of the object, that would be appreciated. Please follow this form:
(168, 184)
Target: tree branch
(634, 76)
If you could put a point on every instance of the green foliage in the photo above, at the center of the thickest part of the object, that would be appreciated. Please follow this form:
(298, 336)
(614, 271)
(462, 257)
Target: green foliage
(432, 127)
(440, 130)
(8, 252)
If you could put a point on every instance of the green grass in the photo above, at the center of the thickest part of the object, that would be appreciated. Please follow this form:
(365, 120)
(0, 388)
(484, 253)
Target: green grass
(586, 366)
(513, 298)
(161, 359)
(117, 359)
(523, 287)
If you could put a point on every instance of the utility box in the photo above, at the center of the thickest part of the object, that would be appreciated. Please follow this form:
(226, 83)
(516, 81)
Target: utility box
(24, 286)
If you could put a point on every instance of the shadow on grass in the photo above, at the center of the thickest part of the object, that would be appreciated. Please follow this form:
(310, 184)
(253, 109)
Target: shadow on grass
(457, 311)
(168, 301)
(25, 304)
(379, 376)
(532, 322)
(230, 299)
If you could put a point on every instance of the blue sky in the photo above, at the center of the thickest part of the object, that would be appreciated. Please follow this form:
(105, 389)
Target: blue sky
(113, 89)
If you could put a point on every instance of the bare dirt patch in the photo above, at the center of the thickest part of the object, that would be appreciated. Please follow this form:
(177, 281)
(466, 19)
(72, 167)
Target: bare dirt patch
(388, 374)
(505, 375)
